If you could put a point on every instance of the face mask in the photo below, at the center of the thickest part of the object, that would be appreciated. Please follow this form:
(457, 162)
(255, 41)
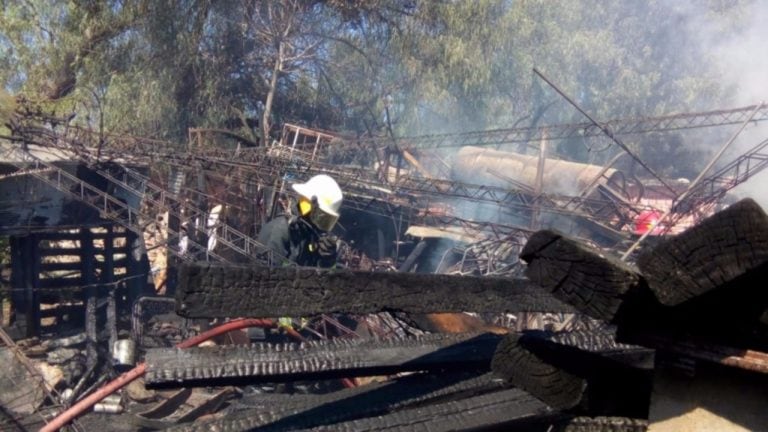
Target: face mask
(322, 220)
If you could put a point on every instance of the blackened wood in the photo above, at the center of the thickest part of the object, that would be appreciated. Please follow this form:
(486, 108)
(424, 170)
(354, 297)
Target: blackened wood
(751, 360)
(710, 254)
(108, 278)
(500, 410)
(295, 411)
(598, 382)
(317, 360)
(91, 295)
(138, 270)
(74, 265)
(490, 410)
(592, 282)
(24, 295)
(601, 341)
(32, 282)
(524, 369)
(51, 285)
(603, 424)
(9, 423)
(209, 406)
(376, 397)
(168, 406)
(217, 290)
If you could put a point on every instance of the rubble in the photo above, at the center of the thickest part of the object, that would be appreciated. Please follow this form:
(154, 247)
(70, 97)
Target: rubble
(479, 296)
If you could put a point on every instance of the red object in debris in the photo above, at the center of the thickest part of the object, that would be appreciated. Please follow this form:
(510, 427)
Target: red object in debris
(648, 220)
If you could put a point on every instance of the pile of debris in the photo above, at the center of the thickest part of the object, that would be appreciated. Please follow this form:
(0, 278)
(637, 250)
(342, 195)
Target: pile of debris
(451, 309)
(657, 314)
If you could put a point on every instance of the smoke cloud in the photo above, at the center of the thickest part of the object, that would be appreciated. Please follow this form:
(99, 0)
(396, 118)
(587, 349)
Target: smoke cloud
(741, 58)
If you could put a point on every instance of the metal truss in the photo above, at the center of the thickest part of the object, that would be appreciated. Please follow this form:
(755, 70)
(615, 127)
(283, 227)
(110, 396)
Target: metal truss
(417, 193)
(115, 210)
(564, 131)
(406, 192)
(109, 207)
(705, 194)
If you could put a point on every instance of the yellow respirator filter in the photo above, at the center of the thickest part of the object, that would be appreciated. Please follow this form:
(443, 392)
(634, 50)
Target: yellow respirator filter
(305, 206)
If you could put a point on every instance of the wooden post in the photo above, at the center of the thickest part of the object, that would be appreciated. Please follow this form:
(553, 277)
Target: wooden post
(108, 279)
(138, 268)
(91, 293)
(24, 265)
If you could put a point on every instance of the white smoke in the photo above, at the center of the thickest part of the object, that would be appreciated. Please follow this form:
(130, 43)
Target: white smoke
(742, 60)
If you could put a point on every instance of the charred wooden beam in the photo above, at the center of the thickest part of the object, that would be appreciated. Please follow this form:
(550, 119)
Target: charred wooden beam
(216, 290)
(751, 360)
(710, 254)
(91, 295)
(601, 341)
(317, 360)
(593, 283)
(522, 368)
(596, 382)
(295, 411)
(604, 424)
(502, 410)
(395, 393)
(491, 410)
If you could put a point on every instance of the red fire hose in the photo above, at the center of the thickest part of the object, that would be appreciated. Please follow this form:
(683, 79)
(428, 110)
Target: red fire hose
(124, 379)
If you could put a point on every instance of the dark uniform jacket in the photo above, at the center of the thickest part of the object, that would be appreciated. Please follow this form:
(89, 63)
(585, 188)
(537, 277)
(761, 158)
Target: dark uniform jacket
(294, 239)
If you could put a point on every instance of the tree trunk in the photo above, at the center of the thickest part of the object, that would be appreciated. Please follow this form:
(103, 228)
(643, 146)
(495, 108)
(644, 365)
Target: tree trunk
(271, 95)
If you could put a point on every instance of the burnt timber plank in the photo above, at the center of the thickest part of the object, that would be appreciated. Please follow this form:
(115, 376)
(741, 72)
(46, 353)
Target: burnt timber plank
(317, 360)
(596, 382)
(295, 411)
(394, 393)
(600, 341)
(708, 255)
(604, 424)
(217, 290)
(524, 369)
(747, 359)
(501, 410)
(577, 274)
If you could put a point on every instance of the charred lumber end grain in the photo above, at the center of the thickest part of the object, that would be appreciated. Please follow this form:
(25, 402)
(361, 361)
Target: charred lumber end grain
(218, 290)
(335, 358)
(587, 376)
(593, 283)
(710, 254)
(524, 369)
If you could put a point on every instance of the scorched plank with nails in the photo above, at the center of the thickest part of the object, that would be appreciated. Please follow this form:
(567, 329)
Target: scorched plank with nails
(334, 358)
(222, 290)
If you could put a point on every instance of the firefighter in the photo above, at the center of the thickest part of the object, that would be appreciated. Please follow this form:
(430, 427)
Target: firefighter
(305, 238)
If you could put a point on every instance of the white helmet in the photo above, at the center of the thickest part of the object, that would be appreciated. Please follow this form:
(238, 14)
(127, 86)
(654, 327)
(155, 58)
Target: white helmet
(323, 190)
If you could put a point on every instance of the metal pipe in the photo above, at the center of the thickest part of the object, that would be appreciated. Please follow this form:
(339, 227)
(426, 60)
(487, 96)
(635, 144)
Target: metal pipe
(605, 130)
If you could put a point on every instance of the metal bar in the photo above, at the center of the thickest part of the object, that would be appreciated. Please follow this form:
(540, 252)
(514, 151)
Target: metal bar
(605, 130)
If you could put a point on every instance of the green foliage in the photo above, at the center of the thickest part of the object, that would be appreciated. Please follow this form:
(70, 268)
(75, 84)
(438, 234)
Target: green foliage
(156, 68)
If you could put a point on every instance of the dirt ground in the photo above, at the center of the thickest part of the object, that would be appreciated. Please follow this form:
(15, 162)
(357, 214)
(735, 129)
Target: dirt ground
(715, 400)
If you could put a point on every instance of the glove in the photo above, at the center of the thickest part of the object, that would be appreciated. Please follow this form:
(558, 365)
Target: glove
(326, 248)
